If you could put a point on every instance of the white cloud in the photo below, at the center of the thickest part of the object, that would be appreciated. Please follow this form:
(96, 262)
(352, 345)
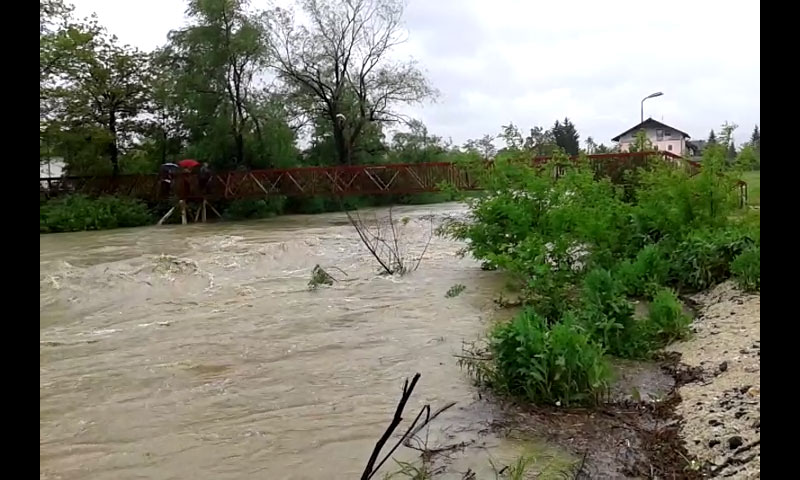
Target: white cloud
(533, 62)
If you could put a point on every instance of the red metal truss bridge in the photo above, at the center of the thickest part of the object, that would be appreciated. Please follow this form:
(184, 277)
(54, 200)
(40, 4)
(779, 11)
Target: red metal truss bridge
(390, 179)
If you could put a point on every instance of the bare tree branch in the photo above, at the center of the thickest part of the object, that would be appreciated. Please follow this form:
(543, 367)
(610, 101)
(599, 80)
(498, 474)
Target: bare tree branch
(340, 67)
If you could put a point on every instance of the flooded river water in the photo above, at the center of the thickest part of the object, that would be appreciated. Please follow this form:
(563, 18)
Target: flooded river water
(198, 351)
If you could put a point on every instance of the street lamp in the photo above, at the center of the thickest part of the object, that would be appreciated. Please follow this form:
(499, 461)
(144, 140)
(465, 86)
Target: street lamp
(657, 94)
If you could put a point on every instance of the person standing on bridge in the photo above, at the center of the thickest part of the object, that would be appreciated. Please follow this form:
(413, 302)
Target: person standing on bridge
(204, 177)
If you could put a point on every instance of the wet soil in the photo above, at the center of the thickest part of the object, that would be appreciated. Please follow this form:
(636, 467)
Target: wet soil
(622, 439)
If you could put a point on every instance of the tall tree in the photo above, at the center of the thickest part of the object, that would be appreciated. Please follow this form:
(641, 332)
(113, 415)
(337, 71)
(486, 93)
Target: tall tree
(712, 138)
(540, 141)
(591, 146)
(602, 148)
(512, 136)
(106, 91)
(64, 41)
(216, 60)
(726, 140)
(484, 146)
(755, 139)
(338, 67)
(566, 136)
(417, 145)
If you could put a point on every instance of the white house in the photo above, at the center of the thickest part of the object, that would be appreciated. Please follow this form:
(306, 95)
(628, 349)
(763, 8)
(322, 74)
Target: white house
(662, 136)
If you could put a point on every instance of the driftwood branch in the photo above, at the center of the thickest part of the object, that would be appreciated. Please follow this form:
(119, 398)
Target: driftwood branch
(384, 243)
(410, 432)
(370, 469)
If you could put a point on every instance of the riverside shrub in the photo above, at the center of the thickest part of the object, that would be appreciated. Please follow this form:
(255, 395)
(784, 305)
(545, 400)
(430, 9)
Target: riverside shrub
(557, 365)
(79, 212)
(703, 258)
(667, 322)
(746, 269)
(579, 248)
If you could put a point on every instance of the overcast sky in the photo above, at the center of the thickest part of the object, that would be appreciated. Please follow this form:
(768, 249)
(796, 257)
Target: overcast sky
(532, 62)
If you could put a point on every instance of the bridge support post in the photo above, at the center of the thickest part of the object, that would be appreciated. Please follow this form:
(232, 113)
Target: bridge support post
(166, 216)
(182, 204)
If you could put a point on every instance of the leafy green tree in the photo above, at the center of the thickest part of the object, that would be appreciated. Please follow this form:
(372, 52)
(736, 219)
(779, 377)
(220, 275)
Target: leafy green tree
(566, 136)
(540, 142)
(591, 146)
(105, 91)
(602, 148)
(755, 139)
(748, 158)
(417, 145)
(63, 42)
(512, 136)
(215, 60)
(484, 147)
(339, 66)
(727, 141)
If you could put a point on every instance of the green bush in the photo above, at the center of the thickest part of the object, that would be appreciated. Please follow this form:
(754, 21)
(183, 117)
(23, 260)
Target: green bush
(578, 247)
(79, 212)
(667, 322)
(607, 315)
(555, 364)
(255, 208)
(703, 258)
(746, 269)
(671, 201)
(645, 273)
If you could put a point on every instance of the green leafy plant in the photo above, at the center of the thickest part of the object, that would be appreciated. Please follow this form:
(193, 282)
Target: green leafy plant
(703, 258)
(667, 322)
(746, 269)
(607, 315)
(556, 364)
(645, 273)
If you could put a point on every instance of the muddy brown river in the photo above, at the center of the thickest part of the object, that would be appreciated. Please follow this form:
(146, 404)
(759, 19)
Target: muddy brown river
(198, 351)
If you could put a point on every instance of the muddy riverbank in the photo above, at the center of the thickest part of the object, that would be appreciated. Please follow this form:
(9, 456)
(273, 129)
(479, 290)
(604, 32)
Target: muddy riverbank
(721, 410)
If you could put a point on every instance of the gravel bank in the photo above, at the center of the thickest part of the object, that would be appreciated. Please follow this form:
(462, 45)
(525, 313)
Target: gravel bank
(722, 410)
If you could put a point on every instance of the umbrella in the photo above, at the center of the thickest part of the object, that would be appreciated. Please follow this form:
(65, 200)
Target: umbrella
(188, 163)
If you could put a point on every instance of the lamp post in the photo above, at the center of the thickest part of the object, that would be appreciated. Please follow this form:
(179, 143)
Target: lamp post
(657, 94)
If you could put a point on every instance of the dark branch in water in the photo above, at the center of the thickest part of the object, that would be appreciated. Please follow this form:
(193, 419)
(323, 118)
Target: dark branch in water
(370, 469)
(409, 434)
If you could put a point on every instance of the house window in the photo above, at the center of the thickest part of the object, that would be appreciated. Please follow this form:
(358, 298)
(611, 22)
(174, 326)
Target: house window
(667, 133)
(659, 135)
(669, 147)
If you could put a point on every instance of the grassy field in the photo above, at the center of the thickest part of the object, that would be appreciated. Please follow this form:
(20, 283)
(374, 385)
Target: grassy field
(753, 180)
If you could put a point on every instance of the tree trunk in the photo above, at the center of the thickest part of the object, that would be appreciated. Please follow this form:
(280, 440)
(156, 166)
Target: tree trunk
(240, 148)
(113, 151)
(342, 150)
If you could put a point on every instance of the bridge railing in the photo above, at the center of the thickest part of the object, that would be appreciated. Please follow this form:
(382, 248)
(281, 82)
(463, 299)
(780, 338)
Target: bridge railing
(390, 179)
(393, 179)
